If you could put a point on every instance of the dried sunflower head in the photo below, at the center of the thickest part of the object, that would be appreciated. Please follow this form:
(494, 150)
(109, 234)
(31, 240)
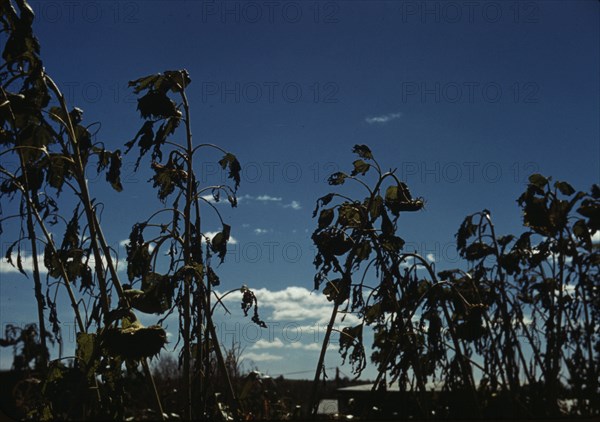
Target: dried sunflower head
(135, 341)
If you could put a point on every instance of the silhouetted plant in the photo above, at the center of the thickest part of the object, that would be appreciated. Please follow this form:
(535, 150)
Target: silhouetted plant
(356, 236)
(523, 319)
(190, 277)
(54, 150)
(540, 293)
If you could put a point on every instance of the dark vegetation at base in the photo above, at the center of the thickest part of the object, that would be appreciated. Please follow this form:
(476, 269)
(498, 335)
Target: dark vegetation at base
(266, 398)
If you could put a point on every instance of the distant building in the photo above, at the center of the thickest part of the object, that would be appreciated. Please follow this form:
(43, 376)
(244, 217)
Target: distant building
(328, 407)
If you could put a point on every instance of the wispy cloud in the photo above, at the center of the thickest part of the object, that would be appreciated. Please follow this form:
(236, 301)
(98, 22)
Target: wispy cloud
(430, 257)
(383, 118)
(268, 198)
(261, 198)
(295, 205)
(261, 231)
(264, 198)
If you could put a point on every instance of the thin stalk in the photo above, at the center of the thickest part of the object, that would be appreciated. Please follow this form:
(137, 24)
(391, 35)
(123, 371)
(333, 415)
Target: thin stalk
(556, 353)
(492, 332)
(203, 355)
(320, 365)
(466, 369)
(221, 363)
(190, 198)
(39, 297)
(588, 339)
(509, 332)
(154, 390)
(187, 255)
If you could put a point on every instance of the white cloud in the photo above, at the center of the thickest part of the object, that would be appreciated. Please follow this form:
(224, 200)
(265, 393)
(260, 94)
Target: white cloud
(309, 346)
(383, 119)
(596, 237)
(261, 231)
(295, 205)
(223, 199)
(210, 235)
(268, 198)
(276, 343)
(261, 357)
(430, 257)
(296, 303)
(26, 261)
(209, 198)
(261, 198)
(265, 344)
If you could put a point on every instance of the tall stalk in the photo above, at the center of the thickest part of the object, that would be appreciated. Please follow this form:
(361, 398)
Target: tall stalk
(187, 256)
(313, 403)
(191, 195)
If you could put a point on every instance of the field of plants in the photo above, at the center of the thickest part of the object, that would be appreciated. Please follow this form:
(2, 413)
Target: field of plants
(515, 334)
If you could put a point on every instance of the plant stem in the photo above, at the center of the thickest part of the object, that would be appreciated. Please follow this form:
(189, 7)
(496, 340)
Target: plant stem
(39, 297)
(221, 361)
(187, 256)
(314, 404)
(154, 390)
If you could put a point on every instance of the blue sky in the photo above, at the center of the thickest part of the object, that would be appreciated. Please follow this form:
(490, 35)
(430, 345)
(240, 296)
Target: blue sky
(465, 99)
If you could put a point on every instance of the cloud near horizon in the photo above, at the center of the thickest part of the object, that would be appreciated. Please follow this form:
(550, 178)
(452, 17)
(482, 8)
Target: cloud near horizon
(261, 357)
